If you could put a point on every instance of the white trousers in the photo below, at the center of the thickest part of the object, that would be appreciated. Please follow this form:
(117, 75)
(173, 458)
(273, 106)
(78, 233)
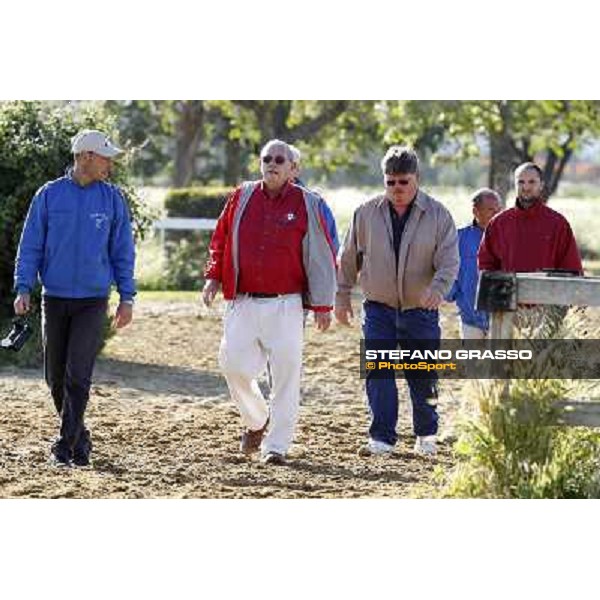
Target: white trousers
(469, 332)
(257, 330)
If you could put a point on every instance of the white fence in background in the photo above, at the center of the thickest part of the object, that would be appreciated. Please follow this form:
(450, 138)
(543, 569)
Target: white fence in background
(183, 224)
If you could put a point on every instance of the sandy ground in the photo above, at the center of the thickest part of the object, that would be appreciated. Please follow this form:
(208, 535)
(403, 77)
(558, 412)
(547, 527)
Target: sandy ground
(163, 425)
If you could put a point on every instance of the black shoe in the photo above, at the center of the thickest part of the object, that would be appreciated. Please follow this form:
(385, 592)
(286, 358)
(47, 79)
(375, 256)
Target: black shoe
(59, 455)
(83, 449)
(81, 459)
(59, 460)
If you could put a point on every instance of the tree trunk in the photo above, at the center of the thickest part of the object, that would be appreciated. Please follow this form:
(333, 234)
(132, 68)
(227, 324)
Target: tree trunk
(280, 115)
(505, 156)
(233, 162)
(502, 164)
(555, 167)
(189, 128)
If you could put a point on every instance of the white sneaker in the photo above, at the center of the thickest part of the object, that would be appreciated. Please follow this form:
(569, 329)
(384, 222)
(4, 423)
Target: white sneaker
(375, 447)
(426, 445)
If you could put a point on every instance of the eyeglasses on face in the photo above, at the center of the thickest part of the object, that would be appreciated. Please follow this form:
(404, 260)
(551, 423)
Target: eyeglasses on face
(394, 182)
(279, 160)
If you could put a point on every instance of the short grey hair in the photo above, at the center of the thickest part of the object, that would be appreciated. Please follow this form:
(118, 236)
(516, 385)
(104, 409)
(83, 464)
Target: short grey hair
(483, 193)
(288, 149)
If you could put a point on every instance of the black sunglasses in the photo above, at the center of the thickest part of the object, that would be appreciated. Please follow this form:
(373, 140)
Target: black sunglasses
(393, 182)
(279, 160)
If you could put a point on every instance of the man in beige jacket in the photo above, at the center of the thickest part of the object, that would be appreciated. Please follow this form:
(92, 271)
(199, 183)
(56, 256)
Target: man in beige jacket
(402, 250)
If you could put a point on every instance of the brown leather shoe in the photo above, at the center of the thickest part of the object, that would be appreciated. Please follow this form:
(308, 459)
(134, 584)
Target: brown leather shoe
(251, 439)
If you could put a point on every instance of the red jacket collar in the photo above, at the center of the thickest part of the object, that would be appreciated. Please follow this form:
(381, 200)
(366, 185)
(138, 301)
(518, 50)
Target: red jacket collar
(530, 212)
(282, 192)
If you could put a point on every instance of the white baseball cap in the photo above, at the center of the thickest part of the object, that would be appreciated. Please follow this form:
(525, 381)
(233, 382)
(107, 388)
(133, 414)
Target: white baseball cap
(91, 140)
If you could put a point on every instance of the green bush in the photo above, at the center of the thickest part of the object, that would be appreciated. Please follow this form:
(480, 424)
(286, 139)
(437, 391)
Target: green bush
(513, 450)
(35, 148)
(186, 252)
(184, 269)
(197, 202)
(185, 255)
(512, 447)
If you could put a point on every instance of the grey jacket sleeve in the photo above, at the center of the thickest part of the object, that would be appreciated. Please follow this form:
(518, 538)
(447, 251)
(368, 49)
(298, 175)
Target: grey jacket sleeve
(319, 261)
(349, 264)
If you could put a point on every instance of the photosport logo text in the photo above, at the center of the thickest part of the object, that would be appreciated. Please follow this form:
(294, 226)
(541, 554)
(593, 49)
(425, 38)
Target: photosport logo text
(435, 360)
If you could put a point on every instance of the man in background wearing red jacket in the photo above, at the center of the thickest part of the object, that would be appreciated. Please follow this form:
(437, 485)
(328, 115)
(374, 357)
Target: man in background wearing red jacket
(530, 236)
(271, 256)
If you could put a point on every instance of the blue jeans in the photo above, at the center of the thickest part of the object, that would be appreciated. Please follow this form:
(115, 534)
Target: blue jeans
(386, 328)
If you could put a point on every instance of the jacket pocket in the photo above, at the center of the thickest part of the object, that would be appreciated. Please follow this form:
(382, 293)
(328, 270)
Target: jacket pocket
(96, 273)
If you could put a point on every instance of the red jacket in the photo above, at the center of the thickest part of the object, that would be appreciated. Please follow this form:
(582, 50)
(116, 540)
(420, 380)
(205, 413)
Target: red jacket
(317, 255)
(525, 240)
(270, 243)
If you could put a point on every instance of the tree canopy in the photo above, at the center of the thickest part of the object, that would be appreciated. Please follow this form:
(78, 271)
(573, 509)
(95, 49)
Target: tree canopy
(217, 141)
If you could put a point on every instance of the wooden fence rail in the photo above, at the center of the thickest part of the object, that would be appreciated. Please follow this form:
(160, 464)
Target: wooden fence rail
(501, 293)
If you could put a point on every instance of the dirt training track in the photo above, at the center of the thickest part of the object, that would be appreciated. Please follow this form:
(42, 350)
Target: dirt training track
(163, 424)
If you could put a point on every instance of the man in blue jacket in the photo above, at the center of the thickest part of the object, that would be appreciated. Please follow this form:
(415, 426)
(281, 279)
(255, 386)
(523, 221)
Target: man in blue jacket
(326, 212)
(77, 239)
(474, 323)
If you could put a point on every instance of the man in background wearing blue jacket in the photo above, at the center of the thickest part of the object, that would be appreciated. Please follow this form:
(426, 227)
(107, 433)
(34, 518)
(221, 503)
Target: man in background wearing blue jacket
(77, 239)
(474, 323)
(326, 213)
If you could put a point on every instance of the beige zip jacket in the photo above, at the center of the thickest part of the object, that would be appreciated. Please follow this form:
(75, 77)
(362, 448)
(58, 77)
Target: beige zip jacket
(428, 254)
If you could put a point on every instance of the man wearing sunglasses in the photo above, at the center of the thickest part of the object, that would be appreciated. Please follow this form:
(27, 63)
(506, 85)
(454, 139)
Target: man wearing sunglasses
(401, 247)
(271, 257)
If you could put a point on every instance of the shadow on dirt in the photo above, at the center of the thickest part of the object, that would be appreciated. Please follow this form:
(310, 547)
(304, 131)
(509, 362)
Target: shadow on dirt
(161, 379)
